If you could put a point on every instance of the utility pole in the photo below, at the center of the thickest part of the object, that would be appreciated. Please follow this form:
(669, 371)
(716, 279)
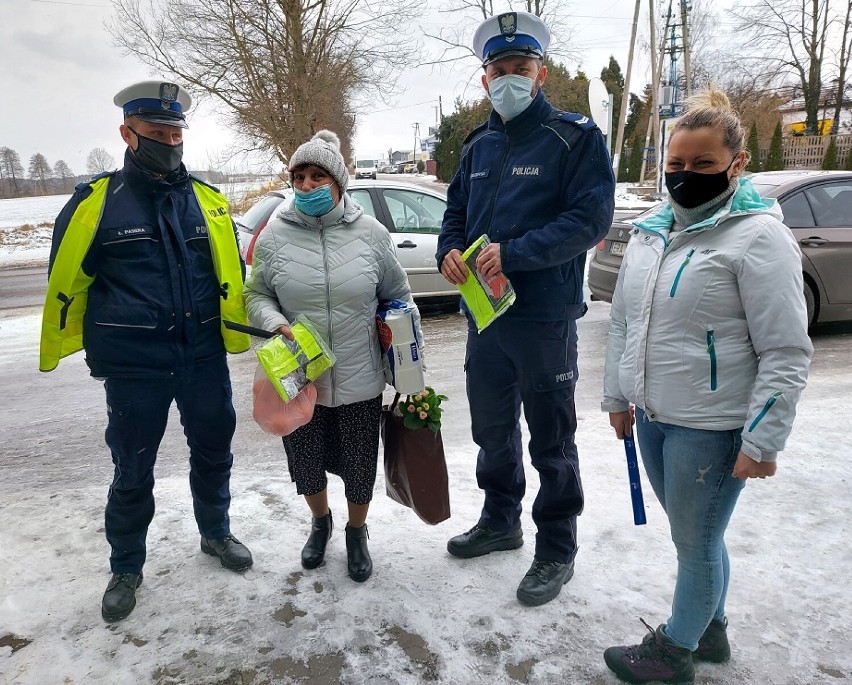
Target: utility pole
(416, 128)
(440, 110)
(684, 22)
(656, 76)
(625, 96)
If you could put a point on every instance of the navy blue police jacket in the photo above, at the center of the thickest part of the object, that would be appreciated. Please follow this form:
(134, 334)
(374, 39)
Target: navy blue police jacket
(153, 308)
(542, 186)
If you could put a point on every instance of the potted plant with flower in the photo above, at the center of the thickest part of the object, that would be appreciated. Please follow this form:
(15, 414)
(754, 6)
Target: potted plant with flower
(422, 410)
(415, 467)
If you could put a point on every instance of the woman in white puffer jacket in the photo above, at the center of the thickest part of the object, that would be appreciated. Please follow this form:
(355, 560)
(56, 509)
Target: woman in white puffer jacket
(708, 339)
(325, 259)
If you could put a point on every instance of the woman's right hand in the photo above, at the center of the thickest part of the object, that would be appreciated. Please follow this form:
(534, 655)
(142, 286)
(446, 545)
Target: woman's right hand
(285, 331)
(622, 422)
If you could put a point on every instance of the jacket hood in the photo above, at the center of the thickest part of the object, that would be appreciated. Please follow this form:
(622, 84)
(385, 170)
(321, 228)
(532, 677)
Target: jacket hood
(745, 200)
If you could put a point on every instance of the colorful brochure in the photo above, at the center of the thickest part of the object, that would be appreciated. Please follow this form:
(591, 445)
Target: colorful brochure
(485, 299)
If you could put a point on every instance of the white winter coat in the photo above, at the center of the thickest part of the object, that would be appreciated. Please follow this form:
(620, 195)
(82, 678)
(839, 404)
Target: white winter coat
(708, 325)
(332, 269)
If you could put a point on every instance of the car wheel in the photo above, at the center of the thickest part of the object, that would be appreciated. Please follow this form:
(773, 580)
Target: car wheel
(810, 304)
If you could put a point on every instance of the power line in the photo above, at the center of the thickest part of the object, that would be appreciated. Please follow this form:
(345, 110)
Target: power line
(62, 2)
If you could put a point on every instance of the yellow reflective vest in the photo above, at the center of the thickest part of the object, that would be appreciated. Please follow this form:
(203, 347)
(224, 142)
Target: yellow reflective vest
(67, 288)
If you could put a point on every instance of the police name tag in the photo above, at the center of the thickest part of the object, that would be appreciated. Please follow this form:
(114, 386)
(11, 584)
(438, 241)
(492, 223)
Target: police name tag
(479, 174)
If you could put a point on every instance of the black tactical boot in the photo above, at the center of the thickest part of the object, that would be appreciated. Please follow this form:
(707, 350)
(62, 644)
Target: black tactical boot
(480, 540)
(544, 581)
(713, 645)
(655, 660)
(120, 596)
(313, 553)
(358, 556)
(233, 554)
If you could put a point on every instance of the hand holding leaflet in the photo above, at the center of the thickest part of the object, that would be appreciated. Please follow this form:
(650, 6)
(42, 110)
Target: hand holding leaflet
(486, 299)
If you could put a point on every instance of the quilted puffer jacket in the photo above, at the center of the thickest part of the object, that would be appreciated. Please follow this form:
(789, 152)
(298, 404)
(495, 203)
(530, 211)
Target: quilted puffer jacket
(334, 270)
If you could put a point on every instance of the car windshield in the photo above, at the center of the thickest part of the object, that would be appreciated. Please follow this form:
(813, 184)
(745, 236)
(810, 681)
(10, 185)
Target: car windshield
(365, 163)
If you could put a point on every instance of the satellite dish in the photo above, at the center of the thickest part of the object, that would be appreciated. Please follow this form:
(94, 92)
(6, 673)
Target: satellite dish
(599, 104)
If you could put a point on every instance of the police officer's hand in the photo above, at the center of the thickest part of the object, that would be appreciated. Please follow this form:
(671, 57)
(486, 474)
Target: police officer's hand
(285, 331)
(488, 261)
(746, 468)
(453, 267)
(622, 422)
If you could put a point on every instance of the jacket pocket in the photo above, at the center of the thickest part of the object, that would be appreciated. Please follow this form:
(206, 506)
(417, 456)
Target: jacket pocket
(127, 316)
(680, 272)
(711, 353)
(766, 407)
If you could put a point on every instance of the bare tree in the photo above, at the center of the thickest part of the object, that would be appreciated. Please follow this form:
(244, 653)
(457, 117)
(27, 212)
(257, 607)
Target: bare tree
(62, 171)
(789, 36)
(99, 161)
(40, 171)
(11, 167)
(456, 41)
(279, 69)
(843, 65)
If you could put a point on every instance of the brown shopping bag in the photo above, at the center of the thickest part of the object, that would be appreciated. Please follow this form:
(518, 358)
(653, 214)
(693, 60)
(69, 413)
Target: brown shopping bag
(415, 468)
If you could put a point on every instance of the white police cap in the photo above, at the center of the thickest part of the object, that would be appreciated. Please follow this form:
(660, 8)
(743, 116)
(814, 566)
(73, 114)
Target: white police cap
(157, 102)
(511, 33)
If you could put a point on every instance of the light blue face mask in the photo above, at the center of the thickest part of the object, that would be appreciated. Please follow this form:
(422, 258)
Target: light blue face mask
(510, 94)
(315, 202)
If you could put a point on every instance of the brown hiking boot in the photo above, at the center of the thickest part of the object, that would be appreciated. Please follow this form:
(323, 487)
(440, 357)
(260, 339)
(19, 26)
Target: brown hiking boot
(713, 645)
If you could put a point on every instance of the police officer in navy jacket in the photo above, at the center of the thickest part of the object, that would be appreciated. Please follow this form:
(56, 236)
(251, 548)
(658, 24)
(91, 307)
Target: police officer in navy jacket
(144, 269)
(539, 184)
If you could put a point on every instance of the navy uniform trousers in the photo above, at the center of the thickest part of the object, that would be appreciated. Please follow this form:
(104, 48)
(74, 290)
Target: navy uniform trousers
(138, 410)
(533, 363)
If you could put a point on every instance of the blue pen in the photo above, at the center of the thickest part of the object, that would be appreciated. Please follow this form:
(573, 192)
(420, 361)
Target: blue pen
(635, 483)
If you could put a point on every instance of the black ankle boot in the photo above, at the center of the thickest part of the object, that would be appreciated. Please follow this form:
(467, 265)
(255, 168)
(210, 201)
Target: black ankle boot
(313, 553)
(358, 556)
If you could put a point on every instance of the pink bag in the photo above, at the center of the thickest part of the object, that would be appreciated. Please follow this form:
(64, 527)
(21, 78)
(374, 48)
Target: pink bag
(273, 414)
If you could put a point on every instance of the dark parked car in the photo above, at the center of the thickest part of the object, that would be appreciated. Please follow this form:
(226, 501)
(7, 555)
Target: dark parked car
(412, 214)
(817, 208)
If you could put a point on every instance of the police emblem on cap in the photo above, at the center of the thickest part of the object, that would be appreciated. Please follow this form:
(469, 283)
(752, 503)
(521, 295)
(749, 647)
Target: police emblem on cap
(508, 23)
(168, 94)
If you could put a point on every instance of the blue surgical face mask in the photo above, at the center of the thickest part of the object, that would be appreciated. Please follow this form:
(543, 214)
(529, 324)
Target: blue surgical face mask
(510, 94)
(315, 202)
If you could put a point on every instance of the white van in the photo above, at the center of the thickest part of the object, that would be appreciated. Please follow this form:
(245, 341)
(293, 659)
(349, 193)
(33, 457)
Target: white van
(365, 168)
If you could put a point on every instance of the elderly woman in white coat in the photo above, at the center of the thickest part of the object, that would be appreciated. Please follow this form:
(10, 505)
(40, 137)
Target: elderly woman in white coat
(323, 258)
(708, 340)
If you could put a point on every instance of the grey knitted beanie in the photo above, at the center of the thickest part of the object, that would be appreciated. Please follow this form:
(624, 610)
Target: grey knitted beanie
(323, 150)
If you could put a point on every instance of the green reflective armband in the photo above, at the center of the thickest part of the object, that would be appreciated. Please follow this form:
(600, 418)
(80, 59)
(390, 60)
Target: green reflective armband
(485, 299)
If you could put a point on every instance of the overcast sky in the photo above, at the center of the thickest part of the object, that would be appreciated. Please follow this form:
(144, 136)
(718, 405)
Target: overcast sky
(59, 72)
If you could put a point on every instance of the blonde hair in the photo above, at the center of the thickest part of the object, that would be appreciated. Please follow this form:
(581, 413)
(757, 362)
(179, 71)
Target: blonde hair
(711, 108)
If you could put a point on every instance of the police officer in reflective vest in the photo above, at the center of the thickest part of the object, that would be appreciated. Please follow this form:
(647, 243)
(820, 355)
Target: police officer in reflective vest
(144, 271)
(538, 182)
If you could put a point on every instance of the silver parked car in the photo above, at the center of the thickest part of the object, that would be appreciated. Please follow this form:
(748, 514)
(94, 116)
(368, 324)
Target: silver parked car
(412, 213)
(817, 208)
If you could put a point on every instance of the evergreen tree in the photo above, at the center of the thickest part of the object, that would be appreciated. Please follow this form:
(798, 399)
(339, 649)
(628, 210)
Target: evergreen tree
(775, 159)
(753, 147)
(452, 133)
(848, 164)
(830, 160)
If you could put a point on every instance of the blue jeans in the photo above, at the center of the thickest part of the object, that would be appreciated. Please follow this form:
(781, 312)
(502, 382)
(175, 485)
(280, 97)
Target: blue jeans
(690, 472)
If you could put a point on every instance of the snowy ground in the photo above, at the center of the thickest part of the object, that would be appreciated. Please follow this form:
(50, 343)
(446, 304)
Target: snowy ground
(424, 616)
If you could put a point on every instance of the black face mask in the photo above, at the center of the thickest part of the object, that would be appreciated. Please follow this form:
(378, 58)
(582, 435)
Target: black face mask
(691, 188)
(155, 156)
